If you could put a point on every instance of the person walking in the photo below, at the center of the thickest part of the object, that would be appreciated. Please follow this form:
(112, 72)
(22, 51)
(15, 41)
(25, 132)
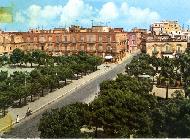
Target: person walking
(28, 112)
(17, 119)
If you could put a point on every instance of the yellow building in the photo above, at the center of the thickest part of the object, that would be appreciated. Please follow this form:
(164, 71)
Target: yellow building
(166, 27)
(165, 48)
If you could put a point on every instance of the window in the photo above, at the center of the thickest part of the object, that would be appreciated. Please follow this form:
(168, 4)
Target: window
(133, 42)
(91, 47)
(50, 38)
(167, 48)
(109, 48)
(57, 38)
(65, 38)
(100, 47)
(82, 38)
(10, 48)
(74, 39)
(35, 39)
(100, 38)
(28, 39)
(178, 48)
(109, 39)
(82, 47)
(133, 36)
(90, 38)
(155, 49)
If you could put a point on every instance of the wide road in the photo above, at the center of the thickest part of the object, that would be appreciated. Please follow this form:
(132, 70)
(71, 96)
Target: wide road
(29, 127)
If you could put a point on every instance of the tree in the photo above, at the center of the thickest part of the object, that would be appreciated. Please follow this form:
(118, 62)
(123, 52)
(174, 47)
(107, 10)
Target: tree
(44, 83)
(5, 101)
(39, 57)
(19, 93)
(17, 56)
(94, 61)
(3, 75)
(121, 114)
(63, 123)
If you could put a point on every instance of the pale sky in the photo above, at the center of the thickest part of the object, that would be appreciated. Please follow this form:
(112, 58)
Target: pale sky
(117, 13)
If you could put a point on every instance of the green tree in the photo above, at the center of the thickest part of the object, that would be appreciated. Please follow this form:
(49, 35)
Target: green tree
(17, 56)
(121, 114)
(5, 101)
(63, 123)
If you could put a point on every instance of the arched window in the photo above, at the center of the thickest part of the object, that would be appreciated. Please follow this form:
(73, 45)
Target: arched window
(178, 48)
(167, 48)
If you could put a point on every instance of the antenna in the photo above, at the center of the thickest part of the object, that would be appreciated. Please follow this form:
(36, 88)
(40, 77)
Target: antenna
(92, 22)
(188, 27)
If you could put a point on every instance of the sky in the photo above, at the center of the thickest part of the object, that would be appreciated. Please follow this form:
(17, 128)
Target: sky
(128, 14)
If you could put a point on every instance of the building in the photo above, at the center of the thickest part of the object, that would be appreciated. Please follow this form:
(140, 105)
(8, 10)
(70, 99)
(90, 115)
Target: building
(98, 40)
(141, 35)
(132, 42)
(186, 35)
(166, 27)
(165, 47)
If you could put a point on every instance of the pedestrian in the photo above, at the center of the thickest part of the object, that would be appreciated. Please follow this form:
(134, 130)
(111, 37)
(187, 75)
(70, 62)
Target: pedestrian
(17, 119)
(28, 112)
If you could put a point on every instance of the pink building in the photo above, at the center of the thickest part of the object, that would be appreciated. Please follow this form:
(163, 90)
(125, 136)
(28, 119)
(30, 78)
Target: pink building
(132, 41)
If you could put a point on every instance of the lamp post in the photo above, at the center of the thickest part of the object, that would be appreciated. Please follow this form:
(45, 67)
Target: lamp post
(57, 79)
(167, 86)
(111, 53)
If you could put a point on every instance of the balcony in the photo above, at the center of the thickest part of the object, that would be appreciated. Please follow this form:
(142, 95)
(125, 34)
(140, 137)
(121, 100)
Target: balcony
(167, 52)
(91, 42)
(82, 41)
(179, 51)
(74, 42)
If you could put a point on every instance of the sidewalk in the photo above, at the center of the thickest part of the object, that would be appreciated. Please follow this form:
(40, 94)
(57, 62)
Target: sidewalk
(51, 97)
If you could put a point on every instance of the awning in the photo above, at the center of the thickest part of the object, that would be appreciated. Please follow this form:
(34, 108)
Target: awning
(144, 76)
(169, 55)
(109, 57)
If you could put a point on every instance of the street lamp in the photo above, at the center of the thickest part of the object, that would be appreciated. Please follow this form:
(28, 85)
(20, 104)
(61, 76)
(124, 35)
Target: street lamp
(167, 86)
(57, 79)
(111, 53)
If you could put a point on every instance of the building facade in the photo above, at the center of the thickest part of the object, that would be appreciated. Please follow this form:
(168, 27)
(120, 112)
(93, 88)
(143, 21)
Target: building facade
(166, 27)
(165, 48)
(98, 41)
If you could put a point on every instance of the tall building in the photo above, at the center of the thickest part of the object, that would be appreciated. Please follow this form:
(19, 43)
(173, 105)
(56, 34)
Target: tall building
(166, 27)
(141, 36)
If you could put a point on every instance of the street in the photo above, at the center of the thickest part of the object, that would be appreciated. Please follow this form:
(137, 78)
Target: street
(86, 93)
